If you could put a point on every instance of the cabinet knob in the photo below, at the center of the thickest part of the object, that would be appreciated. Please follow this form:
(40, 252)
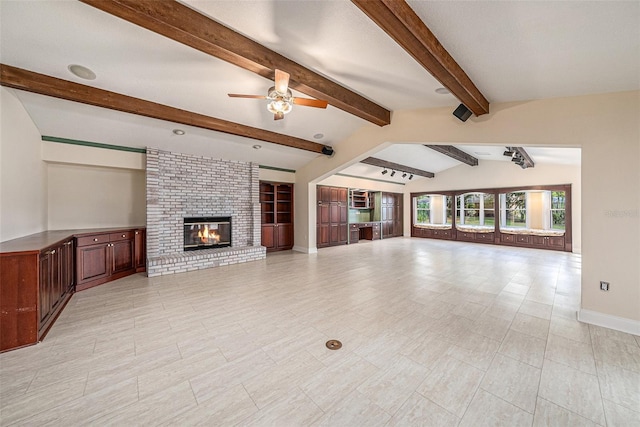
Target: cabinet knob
(137, 233)
(124, 235)
(53, 252)
(95, 240)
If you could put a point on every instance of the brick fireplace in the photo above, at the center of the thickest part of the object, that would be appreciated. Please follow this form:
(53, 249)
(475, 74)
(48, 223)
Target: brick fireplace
(181, 186)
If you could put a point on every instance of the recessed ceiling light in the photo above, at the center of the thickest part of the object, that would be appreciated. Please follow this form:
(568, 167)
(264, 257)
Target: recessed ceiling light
(82, 72)
(482, 153)
(442, 91)
(257, 147)
(178, 131)
(318, 136)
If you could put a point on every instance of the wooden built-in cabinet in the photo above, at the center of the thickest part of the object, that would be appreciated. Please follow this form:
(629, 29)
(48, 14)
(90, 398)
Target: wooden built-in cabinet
(332, 227)
(540, 238)
(39, 273)
(391, 212)
(56, 281)
(104, 257)
(276, 205)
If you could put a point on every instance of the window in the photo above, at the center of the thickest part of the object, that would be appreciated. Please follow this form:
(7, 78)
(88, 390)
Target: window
(514, 210)
(489, 210)
(422, 209)
(557, 211)
(476, 209)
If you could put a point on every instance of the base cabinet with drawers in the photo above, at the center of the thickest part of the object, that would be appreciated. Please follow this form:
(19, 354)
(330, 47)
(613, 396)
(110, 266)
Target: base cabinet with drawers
(104, 257)
(39, 274)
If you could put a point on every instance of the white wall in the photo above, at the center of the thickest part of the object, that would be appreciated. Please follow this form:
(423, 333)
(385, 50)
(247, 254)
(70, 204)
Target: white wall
(23, 186)
(95, 197)
(492, 174)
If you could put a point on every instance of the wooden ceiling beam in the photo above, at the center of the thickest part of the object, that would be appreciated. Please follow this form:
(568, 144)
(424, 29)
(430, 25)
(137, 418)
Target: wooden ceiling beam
(30, 81)
(454, 153)
(189, 27)
(527, 161)
(397, 167)
(402, 24)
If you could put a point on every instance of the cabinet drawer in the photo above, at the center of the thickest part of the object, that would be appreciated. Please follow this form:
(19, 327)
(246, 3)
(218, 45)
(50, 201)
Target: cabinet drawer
(522, 238)
(93, 240)
(486, 237)
(123, 235)
(508, 238)
(466, 236)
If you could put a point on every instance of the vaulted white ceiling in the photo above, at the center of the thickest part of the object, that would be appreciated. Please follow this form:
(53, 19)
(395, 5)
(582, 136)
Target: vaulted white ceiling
(513, 51)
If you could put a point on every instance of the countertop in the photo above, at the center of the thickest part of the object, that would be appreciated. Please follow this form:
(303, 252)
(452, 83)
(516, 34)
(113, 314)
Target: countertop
(39, 241)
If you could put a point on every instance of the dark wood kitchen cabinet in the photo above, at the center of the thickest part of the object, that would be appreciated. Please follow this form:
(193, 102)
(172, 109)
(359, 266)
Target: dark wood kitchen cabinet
(276, 205)
(391, 211)
(332, 227)
(104, 257)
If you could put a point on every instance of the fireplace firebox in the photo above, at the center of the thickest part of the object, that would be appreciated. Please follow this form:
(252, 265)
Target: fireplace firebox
(207, 233)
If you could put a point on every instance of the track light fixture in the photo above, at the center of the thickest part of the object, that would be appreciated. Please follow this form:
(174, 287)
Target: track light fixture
(384, 172)
(410, 177)
(404, 174)
(393, 173)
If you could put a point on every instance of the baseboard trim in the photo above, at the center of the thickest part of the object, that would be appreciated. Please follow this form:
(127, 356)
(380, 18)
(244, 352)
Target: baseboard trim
(305, 250)
(621, 324)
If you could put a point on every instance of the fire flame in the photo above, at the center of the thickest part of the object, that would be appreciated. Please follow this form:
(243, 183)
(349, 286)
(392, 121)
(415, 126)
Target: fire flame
(208, 236)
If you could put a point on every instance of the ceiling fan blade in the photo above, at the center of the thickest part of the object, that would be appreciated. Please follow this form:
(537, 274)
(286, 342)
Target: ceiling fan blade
(237, 95)
(282, 81)
(278, 116)
(318, 103)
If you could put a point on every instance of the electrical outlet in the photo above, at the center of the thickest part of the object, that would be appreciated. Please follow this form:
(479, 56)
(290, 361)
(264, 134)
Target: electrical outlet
(604, 286)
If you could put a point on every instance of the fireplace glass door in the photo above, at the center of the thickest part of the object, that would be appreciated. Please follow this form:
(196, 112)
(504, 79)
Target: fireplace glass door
(207, 233)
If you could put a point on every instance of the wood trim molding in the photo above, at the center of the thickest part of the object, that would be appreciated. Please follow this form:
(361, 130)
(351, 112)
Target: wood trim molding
(396, 166)
(454, 153)
(189, 27)
(402, 24)
(42, 84)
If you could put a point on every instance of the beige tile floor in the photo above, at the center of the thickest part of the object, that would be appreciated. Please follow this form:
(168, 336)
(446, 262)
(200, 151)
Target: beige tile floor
(434, 333)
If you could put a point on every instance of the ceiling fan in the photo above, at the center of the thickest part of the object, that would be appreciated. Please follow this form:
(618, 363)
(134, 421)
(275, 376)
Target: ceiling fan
(280, 98)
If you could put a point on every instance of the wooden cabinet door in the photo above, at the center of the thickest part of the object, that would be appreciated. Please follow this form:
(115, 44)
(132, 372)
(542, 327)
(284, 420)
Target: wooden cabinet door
(140, 250)
(343, 230)
(322, 236)
(284, 236)
(334, 213)
(44, 292)
(121, 256)
(334, 234)
(92, 262)
(66, 266)
(268, 236)
(57, 291)
(324, 214)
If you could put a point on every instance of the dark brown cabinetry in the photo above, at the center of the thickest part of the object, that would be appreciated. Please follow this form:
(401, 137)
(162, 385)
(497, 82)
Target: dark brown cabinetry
(364, 231)
(332, 226)
(276, 205)
(39, 274)
(56, 282)
(140, 250)
(391, 215)
(36, 285)
(104, 257)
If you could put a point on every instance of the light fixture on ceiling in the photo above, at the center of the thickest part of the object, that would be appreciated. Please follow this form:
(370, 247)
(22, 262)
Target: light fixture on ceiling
(280, 103)
(384, 172)
(178, 132)
(393, 173)
(257, 146)
(404, 174)
(442, 91)
(508, 152)
(82, 72)
(318, 136)
(410, 177)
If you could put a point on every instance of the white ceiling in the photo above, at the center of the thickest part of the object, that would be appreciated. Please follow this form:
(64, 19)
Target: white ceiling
(515, 50)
